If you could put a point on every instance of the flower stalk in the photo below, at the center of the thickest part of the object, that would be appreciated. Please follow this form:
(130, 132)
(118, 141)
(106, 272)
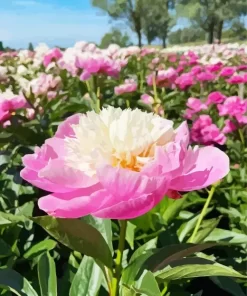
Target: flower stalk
(119, 258)
(203, 213)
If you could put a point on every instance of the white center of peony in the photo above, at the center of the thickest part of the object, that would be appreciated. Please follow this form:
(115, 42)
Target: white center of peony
(119, 138)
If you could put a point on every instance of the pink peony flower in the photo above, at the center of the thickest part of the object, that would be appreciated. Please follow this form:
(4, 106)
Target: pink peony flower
(236, 79)
(52, 55)
(196, 104)
(184, 81)
(128, 87)
(95, 63)
(164, 78)
(196, 70)
(118, 164)
(203, 131)
(205, 76)
(45, 84)
(227, 71)
(213, 68)
(10, 102)
(147, 99)
(215, 97)
(233, 106)
(229, 127)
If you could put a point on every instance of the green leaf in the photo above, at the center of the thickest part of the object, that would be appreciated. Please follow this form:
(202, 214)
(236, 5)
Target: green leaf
(47, 275)
(103, 226)
(195, 267)
(16, 283)
(142, 249)
(173, 208)
(77, 235)
(130, 234)
(167, 255)
(5, 249)
(227, 236)
(88, 278)
(188, 226)
(148, 284)
(229, 285)
(39, 248)
(206, 228)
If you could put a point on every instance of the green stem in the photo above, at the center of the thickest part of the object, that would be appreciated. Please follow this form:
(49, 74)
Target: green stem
(241, 135)
(155, 89)
(118, 261)
(203, 212)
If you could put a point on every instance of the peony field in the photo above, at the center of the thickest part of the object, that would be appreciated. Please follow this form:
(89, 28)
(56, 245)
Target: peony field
(123, 170)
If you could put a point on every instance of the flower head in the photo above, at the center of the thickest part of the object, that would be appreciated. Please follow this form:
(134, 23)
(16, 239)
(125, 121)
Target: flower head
(118, 164)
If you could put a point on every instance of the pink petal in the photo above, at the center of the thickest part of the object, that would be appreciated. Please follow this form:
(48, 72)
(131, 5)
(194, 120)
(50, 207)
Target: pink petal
(208, 166)
(73, 204)
(65, 129)
(33, 178)
(58, 173)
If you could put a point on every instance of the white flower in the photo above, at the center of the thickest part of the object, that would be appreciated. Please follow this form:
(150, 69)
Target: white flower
(3, 73)
(120, 138)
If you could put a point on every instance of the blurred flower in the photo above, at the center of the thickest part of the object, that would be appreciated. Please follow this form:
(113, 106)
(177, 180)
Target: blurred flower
(205, 76)
(229, 127)
(185, 80)
(10, 102)
(227, 71)
(203, 131)
(215, 97)
(147, 99)
(53, 54)
(163, 78)
(129, 86)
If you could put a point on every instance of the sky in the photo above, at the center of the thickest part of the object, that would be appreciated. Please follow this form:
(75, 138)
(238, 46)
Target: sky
(55, 22)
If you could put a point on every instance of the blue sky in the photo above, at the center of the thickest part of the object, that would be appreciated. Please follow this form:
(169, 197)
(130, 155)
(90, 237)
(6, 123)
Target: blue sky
(55, 22)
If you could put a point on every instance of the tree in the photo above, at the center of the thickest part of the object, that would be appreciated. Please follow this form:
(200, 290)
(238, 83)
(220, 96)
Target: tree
(116, 37)
(30, 46)
(185, 35)
(210, 15)
(1, 46)
(131, 11)
(157, 20)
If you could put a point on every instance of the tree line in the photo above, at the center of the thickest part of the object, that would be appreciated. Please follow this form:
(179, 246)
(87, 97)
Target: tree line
(154, 19)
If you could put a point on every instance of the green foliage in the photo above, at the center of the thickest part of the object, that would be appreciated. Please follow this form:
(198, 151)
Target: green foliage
(115, 37)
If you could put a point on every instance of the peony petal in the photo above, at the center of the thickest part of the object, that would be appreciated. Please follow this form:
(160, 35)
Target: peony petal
(128, 209)
(73, 204)
(33, 178)
(210, 165)
(65, 128)
(58, 173)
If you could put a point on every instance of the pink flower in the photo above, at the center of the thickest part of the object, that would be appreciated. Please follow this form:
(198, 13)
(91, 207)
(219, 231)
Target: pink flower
(215, 97)
(196, 70)
(10, 102)
(147, 99)
(233, 106)
(242, 67)
(118, 164)
(227, 71)
(128, 87)
(236, 79)
(196, 104)
(229, 127)
(185, 80)
(95, 63)
(213, 68)
(44, 84)
(205, 76)
(51, 56)
(164, 78)
(203, 131)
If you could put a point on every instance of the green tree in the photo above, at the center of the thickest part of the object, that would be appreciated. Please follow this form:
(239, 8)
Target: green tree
(157, 20)
(1, 46)
(30, 46)
(116, 37)
(130, 11)
(186, 35)
(210, 15)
